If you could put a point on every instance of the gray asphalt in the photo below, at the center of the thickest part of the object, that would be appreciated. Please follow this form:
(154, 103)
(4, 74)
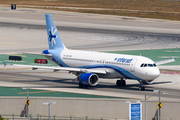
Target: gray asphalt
(89, 30)
(45, 79)
(21, 31)
(129, 37)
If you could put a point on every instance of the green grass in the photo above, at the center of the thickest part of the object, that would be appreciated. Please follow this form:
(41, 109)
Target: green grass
(26, 59)
(8, 91)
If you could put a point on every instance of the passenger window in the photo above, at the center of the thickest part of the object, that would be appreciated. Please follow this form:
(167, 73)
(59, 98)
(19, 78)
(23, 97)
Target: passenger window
(142, 65)
(145, 65)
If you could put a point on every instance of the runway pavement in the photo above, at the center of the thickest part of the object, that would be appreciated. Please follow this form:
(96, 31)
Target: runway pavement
(62, 81)
(23, 30)
(84, 31)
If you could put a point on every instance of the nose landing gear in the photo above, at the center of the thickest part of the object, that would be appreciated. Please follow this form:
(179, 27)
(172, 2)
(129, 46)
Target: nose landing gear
(141, 87)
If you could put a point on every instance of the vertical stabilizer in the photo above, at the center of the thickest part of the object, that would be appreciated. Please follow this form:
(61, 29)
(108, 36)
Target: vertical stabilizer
(54, 39)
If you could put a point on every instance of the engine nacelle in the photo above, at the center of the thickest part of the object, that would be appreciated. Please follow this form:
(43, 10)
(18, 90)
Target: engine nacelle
(148, 81)
(89, 79)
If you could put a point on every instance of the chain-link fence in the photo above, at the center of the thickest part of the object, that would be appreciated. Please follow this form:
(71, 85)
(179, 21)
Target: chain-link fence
(54, 117)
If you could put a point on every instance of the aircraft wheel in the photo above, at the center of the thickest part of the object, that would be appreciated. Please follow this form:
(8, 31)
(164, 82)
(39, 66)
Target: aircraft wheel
(123, 82)
(81, 85)
(118, 83)
(142, 88)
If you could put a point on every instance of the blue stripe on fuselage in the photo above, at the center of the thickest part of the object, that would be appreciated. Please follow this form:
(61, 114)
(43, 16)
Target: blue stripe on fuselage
(118, 69)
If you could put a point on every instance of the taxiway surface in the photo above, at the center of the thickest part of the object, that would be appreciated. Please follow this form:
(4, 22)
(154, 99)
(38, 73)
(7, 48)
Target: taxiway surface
(23, 30)
(62, 81)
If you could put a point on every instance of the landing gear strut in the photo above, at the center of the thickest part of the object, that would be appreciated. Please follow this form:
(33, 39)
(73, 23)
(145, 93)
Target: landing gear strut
(141, 87)
(82, 85)
(121, 82)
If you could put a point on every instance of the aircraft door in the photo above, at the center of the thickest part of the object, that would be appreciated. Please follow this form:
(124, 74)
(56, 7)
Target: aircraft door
(133, 64)
(102, 61)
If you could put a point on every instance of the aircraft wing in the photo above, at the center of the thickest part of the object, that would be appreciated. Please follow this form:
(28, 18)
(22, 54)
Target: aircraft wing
(165, 61)
(34, 67)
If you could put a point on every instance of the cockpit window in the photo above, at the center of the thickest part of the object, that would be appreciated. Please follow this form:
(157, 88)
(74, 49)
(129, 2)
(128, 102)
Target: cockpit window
(150, 65)
(142, 65)
(145, 65)
(154, 65)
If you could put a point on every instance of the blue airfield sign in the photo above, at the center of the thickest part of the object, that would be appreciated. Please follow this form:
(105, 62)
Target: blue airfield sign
(135, 111)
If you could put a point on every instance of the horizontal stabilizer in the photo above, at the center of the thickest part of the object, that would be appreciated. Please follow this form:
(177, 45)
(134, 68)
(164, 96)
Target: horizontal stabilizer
(46, 55)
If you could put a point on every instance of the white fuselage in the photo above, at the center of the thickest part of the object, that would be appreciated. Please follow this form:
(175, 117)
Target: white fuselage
(116, 65)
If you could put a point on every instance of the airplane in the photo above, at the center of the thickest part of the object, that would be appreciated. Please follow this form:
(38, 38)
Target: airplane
(89, 66)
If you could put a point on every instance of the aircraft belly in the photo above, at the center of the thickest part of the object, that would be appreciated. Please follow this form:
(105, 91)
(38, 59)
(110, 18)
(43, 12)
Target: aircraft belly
(111, 73)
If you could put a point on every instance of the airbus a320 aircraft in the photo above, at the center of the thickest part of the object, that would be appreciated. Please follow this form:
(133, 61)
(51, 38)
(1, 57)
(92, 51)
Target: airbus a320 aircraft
(89, 66)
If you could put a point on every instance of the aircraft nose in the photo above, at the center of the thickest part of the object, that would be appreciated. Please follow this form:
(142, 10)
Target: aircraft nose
(155, 73)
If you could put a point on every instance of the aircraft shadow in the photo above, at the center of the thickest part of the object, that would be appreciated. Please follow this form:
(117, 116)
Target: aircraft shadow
(68, 83)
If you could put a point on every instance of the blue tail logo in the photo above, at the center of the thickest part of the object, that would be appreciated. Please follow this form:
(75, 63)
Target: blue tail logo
(52, 36)
(54, 39)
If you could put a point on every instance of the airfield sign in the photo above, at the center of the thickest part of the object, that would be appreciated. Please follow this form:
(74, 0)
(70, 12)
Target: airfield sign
(135, 111)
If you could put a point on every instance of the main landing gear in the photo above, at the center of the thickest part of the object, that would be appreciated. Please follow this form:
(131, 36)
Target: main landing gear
(121, 82)
(82, 85)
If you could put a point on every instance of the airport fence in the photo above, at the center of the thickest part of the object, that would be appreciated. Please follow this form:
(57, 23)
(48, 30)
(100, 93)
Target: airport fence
(54, 117)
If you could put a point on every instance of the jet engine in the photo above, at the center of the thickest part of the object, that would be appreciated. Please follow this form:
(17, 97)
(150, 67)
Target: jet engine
(148, 81)
(89, 79)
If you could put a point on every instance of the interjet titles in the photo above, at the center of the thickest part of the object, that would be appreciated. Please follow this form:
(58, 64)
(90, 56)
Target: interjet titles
(123, 60)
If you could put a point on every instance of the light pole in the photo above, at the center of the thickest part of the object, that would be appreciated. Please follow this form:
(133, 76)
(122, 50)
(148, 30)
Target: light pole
(145, 103)
(145, 106)
(26, 100)
(48, 103)
(158, 91)
(159, 107)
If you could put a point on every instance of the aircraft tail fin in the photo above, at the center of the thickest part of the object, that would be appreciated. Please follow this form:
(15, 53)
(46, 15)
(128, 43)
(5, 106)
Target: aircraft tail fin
(54, 39)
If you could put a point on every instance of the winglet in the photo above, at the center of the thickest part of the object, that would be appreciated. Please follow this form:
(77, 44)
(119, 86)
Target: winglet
(4, 64)
(165, 61)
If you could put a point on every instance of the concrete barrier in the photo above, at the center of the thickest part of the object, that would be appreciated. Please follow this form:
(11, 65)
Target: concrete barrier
(81, 107)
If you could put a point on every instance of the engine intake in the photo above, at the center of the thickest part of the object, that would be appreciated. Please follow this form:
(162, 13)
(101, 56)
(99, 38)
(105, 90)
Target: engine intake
(89, 79)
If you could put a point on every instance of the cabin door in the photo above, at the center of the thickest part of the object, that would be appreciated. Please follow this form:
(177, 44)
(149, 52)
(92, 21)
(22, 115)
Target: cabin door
(133, 64)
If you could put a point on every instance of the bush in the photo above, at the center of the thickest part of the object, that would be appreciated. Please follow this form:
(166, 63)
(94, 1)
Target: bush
(1, 118)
